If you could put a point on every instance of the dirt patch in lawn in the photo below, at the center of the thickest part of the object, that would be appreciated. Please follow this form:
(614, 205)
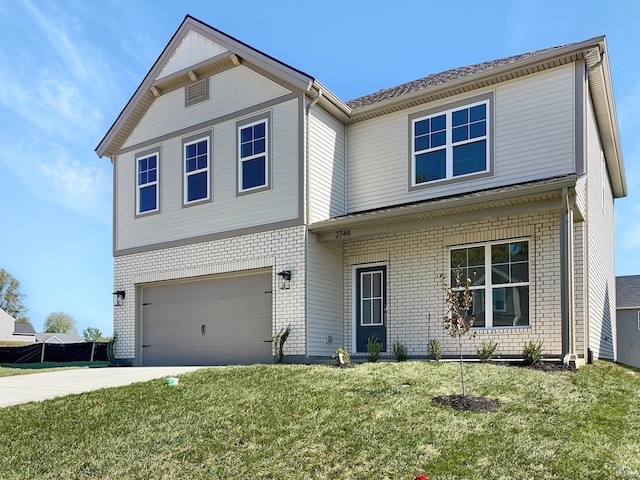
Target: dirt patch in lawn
(467, 403)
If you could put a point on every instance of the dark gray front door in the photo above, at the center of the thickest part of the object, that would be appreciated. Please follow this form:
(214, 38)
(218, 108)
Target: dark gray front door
(371, 306)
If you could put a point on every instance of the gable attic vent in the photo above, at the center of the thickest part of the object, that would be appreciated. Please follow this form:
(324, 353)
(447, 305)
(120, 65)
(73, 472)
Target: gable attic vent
(196, 92)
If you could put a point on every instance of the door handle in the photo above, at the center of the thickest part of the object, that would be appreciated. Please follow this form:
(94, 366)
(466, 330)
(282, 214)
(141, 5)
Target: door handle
(145, 346)
(268, 341)
(203, 329)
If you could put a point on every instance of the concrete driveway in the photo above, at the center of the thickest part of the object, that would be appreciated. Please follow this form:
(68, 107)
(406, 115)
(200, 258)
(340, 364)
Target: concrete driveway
(43, 386)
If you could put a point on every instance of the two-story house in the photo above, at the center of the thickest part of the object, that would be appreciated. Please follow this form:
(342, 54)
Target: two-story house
(248, 198)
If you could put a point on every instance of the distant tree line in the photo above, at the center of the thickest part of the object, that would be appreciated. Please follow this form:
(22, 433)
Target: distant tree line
(11, 301)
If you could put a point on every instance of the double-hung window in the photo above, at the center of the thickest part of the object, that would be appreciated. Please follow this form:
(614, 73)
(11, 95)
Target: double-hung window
(253, 155)
(197, 169)
(499, 274)
(452, 143)
(147, 193)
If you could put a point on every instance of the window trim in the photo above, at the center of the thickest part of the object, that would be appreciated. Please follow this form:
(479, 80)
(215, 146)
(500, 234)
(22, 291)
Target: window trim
(489, 286)
(488, 99)
(248, 122)
(189, 141)
(139, 156)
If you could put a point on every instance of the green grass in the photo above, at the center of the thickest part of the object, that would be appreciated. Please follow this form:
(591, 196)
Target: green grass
(375, 422)
(10, 369)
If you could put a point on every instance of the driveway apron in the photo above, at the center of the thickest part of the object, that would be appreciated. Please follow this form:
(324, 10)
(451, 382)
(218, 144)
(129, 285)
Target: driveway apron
(43, 386)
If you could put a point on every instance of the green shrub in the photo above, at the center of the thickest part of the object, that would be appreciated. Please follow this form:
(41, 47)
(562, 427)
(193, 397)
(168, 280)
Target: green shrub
(532, 352)
(345, 356)
(111, 347)
(278, 343)
(399, 351)
(487, 350)
(435, 350)
(374, 347)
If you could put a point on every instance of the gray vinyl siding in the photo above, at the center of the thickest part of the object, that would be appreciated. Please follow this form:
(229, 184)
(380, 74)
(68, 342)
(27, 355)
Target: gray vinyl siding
(227, 211)
(600, 249)
(229, 91)
(326, 165)
(324, 297)
(628, 323)
(533, 139)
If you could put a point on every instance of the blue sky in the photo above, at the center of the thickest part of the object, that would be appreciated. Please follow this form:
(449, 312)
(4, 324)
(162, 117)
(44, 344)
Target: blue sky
(68, 67)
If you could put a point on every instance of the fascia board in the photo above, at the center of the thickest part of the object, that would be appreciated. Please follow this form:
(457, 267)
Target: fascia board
(608, 124)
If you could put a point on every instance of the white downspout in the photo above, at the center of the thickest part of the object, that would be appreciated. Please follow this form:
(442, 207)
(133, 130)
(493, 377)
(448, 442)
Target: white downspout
(571, 356)
(308, 156)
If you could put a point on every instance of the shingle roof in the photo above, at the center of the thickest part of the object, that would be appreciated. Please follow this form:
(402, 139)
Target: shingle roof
(440, 78)
(628, 291)
(62, 337)
(24, 328)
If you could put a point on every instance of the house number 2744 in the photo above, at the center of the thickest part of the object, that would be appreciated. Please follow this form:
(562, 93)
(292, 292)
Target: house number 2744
(343, 233)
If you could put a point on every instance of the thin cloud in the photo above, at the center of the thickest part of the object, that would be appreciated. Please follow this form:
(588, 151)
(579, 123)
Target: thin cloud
(53, 28)
(51, 173)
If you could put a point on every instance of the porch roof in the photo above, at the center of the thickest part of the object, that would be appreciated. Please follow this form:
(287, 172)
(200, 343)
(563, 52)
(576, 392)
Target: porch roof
(530, 196)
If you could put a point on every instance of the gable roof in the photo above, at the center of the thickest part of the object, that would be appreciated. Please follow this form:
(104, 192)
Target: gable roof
(231, 51)
(628, 291)
(58, 338)
(163, 74)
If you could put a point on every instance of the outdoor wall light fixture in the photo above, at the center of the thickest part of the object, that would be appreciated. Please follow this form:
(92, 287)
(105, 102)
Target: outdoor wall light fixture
(285, 279)
(118, 298)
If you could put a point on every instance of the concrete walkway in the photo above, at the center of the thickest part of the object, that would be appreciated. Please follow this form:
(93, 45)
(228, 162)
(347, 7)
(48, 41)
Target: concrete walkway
(43, 386)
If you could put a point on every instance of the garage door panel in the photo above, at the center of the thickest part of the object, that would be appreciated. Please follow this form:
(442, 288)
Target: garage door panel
(235, 312)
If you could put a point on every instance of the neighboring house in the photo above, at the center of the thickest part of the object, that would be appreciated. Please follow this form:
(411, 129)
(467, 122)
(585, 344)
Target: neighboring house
(58, 338)
(249, 198)
(13, 331)
(628, 319)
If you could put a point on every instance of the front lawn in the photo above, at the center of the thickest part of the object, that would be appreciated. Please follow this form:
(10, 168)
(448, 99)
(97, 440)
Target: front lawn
(375, 421)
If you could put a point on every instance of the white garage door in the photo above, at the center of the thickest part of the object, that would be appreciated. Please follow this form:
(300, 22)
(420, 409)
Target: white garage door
(219, 321)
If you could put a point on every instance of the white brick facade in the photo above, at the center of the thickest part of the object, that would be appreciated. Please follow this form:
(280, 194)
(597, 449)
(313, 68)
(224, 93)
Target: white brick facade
(282, 249)
(416, 258)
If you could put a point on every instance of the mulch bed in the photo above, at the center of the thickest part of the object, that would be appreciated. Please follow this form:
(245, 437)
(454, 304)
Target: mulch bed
(467, 403)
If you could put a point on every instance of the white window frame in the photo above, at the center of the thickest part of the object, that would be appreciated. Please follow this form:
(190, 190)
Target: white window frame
(241, 159)
(489, 286)
(449, 144)
(381, 298)
(156, 183)
(186, 175)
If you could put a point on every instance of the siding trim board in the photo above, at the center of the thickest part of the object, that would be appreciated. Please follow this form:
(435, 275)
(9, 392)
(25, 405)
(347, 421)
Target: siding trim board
(211, 123)
(209, 237)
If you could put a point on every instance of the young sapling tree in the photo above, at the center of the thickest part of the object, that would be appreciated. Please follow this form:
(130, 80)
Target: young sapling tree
(457, 321)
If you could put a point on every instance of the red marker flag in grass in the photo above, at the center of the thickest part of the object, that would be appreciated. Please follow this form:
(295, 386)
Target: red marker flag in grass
(421, 477)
